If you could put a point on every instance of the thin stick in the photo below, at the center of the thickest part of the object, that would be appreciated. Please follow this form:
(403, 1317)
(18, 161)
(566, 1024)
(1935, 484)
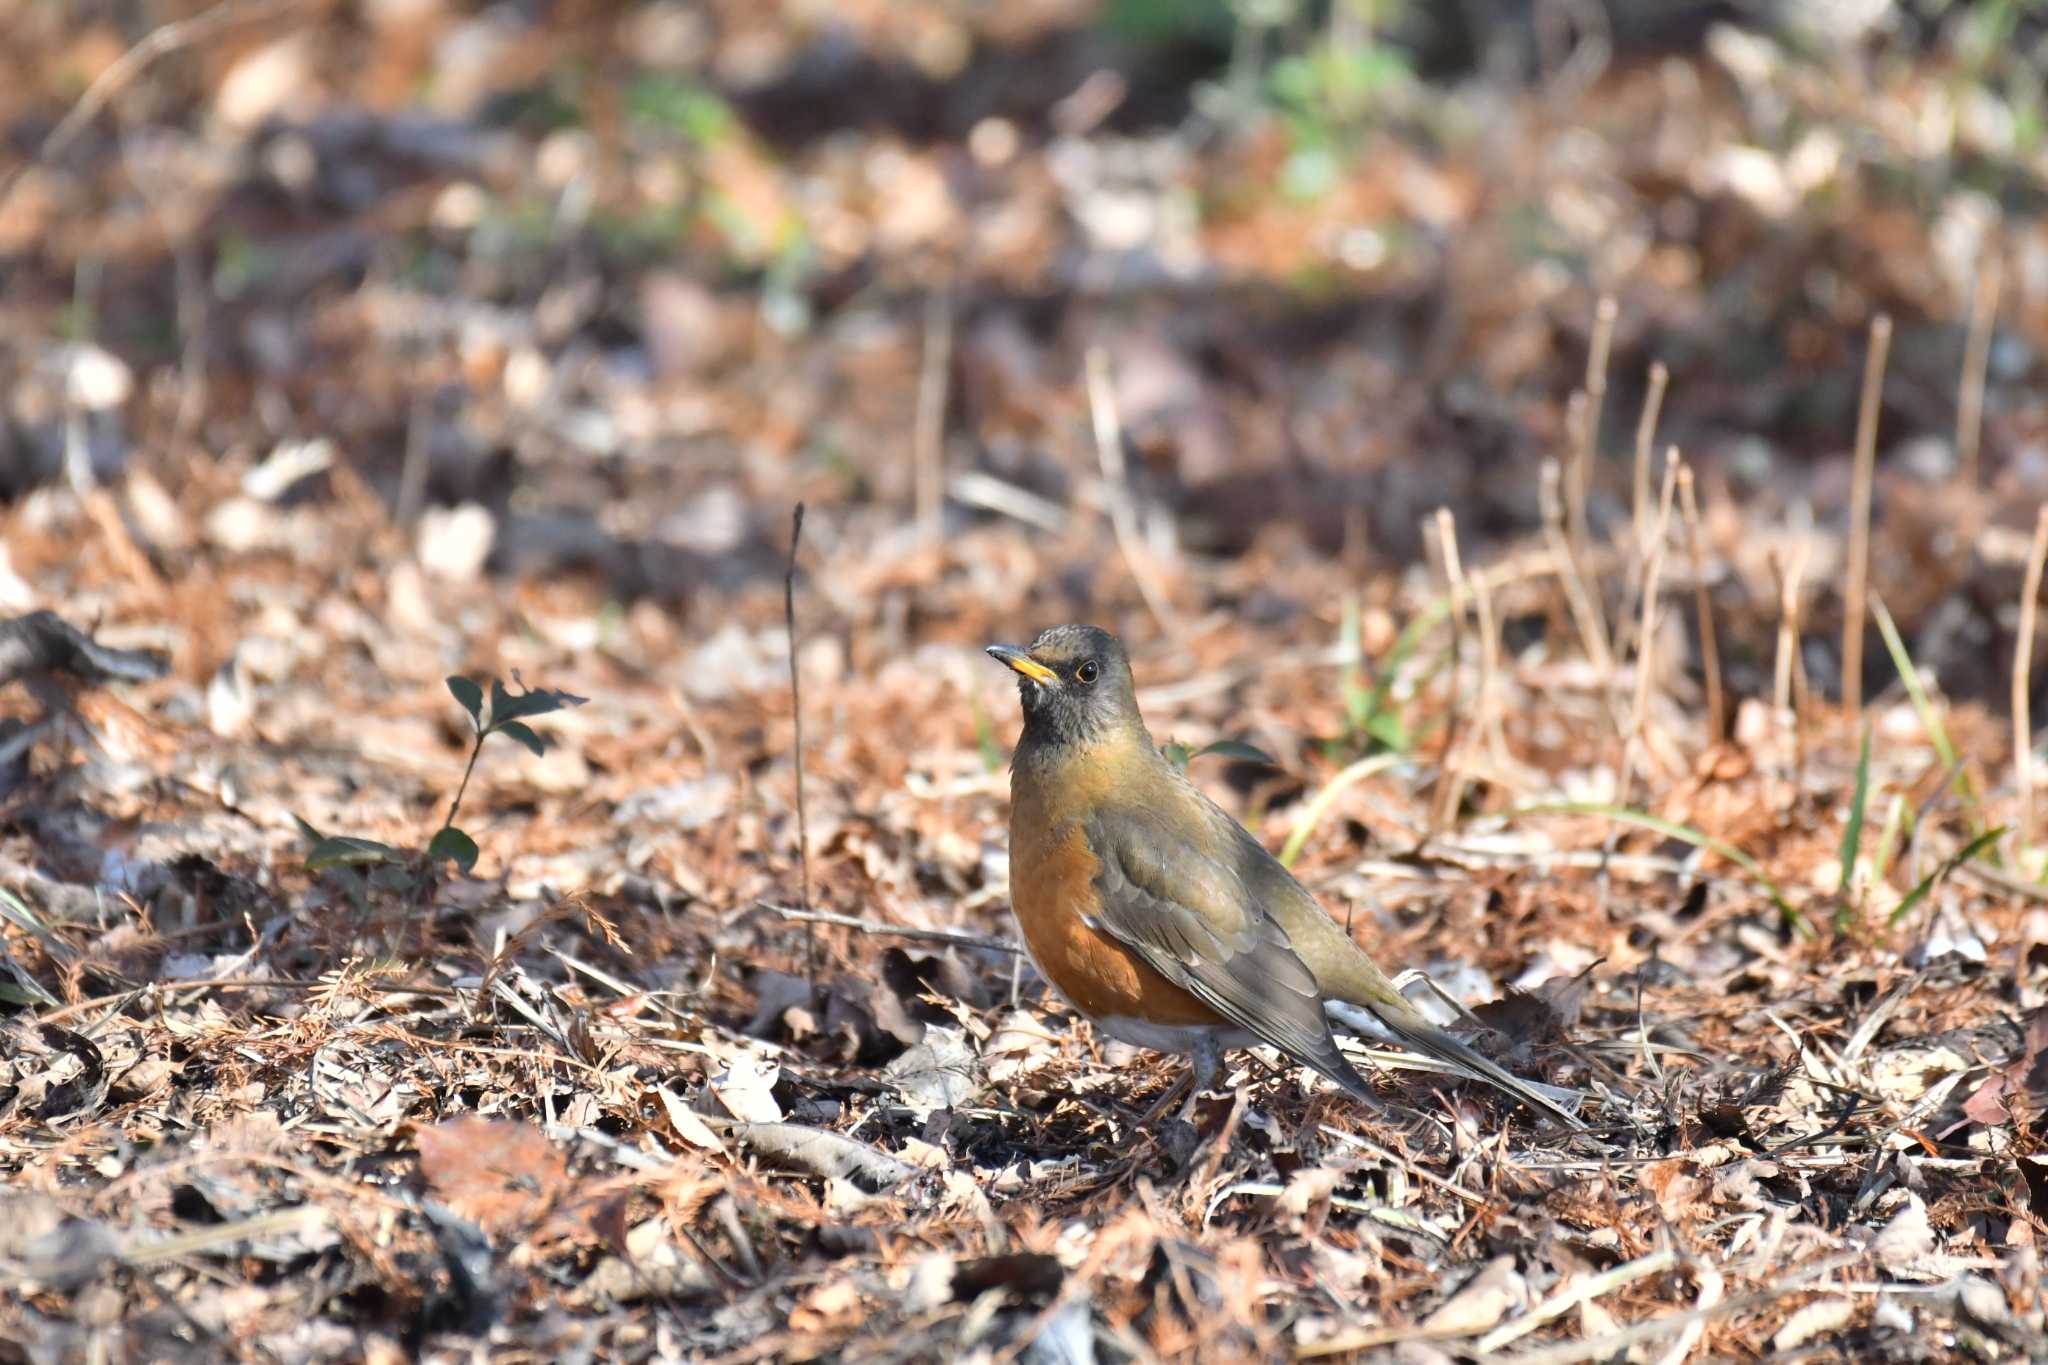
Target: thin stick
(1646, 435)
(1591, 634)
(1489, 673)
(1789, 577)
(1646, 658)
(1580, 472)
(1710, 653)
(956, 937)
(159, 42)
(796, 707)
(1109, 452)
(1976, 361)
(1580, 425)
(1859, 516)
(1451, 788)
(2022, 675)
(928, 448)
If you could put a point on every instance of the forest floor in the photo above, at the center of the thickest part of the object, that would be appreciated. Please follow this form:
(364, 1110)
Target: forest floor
(347, 352)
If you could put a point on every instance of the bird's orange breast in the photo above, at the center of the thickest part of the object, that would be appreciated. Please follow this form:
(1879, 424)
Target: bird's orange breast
(1052, 890)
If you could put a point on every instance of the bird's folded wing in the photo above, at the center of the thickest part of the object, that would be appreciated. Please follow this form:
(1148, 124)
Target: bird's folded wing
(1189, 917)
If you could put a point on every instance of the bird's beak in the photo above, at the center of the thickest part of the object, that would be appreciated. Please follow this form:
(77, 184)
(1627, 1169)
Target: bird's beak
(1023, 663)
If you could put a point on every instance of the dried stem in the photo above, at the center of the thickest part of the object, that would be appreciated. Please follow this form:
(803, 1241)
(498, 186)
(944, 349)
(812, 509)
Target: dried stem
(1646, 435)
(1579, 474)
(1710, 652)
(1591, 634)
(796, 708)
(1859, 517)
(928, 449)
(1789, 579)
(2022, 676)
(160, 41)
(1976, 361)
(1109, 452)
(1580, 423)
(1646, 639)
(1451, 789)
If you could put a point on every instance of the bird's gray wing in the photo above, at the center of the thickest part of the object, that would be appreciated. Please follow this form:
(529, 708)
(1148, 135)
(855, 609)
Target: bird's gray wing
(1191, 919)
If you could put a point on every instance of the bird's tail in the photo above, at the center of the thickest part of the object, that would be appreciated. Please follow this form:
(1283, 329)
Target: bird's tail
(1400, 1019)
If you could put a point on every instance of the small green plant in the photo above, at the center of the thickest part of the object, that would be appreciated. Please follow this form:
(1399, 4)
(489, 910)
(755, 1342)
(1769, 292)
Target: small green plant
(365, 865)
(1852, 839)
(1372, 721)
(1671, 829)
(1948, 865)
(1179, 755)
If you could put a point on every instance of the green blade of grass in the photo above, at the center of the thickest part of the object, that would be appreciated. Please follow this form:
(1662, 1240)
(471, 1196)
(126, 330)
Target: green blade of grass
(1320, 805)
(1852, 833)
(1949, 864)
(1923, 707)
(1671, 829)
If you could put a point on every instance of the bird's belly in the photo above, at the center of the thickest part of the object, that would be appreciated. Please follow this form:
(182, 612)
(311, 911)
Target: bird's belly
(1182, 1038)
(1052, 891)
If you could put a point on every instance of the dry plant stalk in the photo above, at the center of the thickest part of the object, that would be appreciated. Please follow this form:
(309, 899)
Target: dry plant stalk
(1451, 768)
(1859, 517)
(1976, 361)
(928, 444)
(1109, 453)
(1489, 671)
(1579, 473)
(1790, 577)
(1591, 634)
(1636, 755)
(1579, 421)
(796, 709)
(2022, 676)
(1710, 652)
(1646, 435)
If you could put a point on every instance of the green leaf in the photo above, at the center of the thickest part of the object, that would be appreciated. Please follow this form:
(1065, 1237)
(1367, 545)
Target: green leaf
(452, 845)
(534, 702)
(465, 691)
(524, 734)
(313, 836)
(1954, 861)
(1671, 829)
(1177, 754)
(1852, 833)
(1237, 749)
(1387, 729)
(11, 908)
(1930, 719)
(347, 851)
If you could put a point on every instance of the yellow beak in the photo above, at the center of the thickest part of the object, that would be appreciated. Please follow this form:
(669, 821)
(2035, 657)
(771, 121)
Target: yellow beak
(1023, 663)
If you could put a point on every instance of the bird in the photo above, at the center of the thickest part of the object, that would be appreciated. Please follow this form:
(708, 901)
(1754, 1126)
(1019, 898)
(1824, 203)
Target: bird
(1158, 916)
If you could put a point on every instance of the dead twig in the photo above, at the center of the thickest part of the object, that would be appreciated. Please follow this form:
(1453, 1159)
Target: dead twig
(159, 42)
(2022, 677)
(1710, 652)
(1109, 453)
(1646, 436)
(1856, 605)
(796, 709)
(1592, 635)
(957, 937)
(1976, 363)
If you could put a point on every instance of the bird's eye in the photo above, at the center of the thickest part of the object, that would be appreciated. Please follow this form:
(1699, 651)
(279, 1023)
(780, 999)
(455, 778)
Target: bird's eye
(1088, 671)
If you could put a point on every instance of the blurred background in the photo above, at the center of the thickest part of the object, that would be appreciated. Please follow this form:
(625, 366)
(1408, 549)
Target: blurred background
(623, 281)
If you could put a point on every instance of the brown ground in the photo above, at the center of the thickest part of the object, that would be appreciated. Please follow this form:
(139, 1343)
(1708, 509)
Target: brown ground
(348, 348)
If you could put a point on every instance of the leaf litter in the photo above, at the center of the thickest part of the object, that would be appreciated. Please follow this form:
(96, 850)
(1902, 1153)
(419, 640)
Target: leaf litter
(293, 1066)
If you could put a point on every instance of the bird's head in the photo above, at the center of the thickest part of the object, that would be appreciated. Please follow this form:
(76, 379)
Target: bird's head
(1075, 683)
